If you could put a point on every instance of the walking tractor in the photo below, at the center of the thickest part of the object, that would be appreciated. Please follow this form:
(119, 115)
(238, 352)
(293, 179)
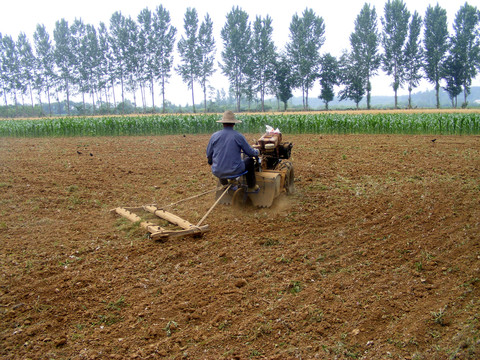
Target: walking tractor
(273, 172)
(274, 176)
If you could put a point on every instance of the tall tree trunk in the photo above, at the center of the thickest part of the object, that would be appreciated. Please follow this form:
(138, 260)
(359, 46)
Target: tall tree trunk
(113, 94)
(99, 97)
(306, 98)
(144, 99)
(31, 97)
(40, 101)
(58, 102)
(409, 97)
(23, 105)
(153, 96)
(395, 95)
(163, 94)
(303, 96)
(15, 101)
(193, 100)
(262, 97)
(93, 102)
(369, 95)
(5, 97)
(83, 102)
(68, 98)
(205, 97)
(134, 101)
(49, 103)
(107, 100)
(123, 95)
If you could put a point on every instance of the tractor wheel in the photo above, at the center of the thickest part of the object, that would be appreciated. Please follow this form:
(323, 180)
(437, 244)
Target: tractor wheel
(289, 185)
(240, 199)
(289, 181)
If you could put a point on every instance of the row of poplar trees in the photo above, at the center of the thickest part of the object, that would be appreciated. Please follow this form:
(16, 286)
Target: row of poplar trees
(135, 56)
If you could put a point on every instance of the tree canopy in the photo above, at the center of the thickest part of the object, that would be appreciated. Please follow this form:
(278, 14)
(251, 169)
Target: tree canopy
(112, 67)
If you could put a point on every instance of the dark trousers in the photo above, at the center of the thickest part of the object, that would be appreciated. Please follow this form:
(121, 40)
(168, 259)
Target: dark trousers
(250, 175)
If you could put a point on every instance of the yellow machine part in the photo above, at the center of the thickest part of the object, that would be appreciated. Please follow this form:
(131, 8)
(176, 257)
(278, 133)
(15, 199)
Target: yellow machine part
(270, 188)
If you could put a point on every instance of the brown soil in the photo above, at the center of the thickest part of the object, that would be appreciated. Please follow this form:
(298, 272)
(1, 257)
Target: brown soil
(376, 255)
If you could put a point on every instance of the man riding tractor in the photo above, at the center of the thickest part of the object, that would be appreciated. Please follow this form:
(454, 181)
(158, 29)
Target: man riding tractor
(224, 153)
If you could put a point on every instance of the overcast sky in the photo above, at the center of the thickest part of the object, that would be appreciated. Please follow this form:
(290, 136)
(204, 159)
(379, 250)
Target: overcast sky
(23, 15)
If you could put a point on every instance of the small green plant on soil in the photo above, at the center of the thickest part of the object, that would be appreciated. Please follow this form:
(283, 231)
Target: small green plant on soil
(270, 242)
(170, 327)
(295, 287)
(316, 315)
(418, 266)
(108, 319)
(116, 305)
(255, 353)
(438, 317)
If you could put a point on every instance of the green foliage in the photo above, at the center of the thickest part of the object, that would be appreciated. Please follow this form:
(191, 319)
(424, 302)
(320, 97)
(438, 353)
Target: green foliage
(413, 55)
(465, 48)
(307, 34)
(283, 80)
(364, 42)
(352, 78)
(263, 56)
(236, 55)
(329, 77)
(395, 30)
(189, 49)
(206, 49)
(326, 123)
(435, 45)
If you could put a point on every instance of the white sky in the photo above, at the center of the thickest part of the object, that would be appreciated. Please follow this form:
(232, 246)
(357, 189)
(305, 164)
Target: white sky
(339, 16)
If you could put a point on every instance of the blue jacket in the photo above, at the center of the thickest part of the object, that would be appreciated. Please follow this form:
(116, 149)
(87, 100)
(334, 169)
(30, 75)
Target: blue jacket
(224, 152)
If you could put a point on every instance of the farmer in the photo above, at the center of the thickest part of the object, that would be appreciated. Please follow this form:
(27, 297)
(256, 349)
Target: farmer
(224, 152)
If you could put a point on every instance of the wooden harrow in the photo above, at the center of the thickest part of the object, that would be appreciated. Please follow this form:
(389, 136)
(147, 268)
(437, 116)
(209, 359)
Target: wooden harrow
(159, 233)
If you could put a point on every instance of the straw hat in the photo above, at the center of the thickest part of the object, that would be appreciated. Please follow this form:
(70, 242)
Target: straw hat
(229, 118)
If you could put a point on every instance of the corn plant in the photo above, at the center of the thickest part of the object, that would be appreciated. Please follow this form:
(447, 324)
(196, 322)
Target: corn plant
(460, 123)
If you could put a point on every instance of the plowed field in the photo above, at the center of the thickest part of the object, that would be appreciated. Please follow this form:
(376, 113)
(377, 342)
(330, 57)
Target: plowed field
(375, 256)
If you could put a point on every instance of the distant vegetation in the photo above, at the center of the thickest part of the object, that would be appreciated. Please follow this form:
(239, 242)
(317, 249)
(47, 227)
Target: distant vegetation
(124, 66)
(401, 122)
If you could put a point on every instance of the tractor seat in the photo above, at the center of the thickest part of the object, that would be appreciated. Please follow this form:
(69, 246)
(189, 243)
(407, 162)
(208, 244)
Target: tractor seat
(226, 179)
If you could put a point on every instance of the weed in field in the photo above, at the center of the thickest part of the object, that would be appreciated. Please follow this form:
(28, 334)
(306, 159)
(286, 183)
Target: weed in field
(316, 315)
(116, 305)
(108, 319)
(283, 259)
(132, 229)
(255, 353)
(170, 328)
(270, 242)
(438, 317)
(294, 287)
(418, 266)
(72, 188)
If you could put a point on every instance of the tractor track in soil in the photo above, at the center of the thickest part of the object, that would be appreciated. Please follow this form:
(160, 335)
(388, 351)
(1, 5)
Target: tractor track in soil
(376, 255)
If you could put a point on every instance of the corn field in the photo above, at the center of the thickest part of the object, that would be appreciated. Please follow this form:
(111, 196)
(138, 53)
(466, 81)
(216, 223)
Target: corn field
(442, 123)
